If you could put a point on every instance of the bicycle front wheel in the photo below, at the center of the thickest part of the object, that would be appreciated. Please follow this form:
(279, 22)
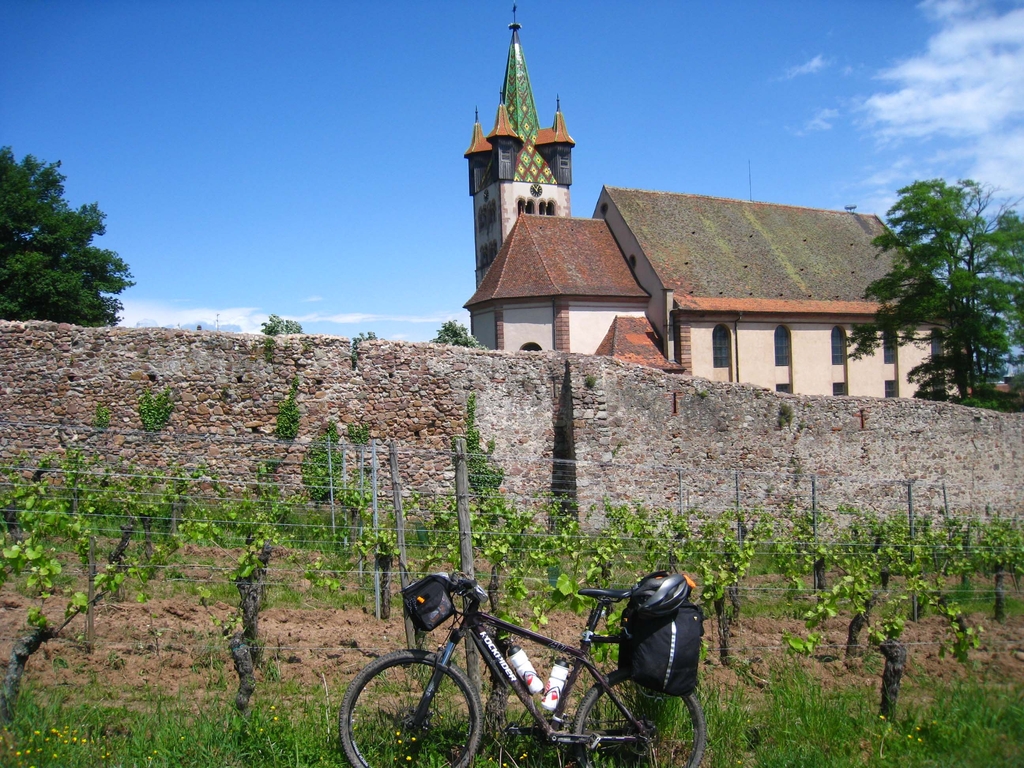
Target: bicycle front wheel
(679, 732)
(376, 718)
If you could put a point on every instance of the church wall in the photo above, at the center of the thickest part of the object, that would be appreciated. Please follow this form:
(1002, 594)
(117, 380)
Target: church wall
(531, 323)
(589, 323)
(644, 272)
(868, 375)
(811, 354)
(484, 329)
(636, 430)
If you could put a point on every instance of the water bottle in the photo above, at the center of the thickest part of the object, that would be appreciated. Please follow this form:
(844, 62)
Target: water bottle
(559, 673)
(522, 665)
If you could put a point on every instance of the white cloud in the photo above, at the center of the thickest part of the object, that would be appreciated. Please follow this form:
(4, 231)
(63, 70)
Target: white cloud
(967, 87)
(141, 313)
(313, 298)
(807, 68)
(356, 318)
(822, 120)
(138, 313)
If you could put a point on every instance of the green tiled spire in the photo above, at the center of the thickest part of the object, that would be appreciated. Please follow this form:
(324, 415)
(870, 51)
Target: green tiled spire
(517, 96)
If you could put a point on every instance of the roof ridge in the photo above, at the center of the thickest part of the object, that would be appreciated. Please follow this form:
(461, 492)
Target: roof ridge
(737, 200)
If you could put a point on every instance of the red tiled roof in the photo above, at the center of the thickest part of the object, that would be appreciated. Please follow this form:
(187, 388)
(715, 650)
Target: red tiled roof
(557, 134)
(478, 143)
(556, 256)
(502, 127)
(633, 340)
(775, 306)
(719, 248)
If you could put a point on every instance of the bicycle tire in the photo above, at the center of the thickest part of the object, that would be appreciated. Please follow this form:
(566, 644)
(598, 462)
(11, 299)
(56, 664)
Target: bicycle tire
(679, 738)
(374, 719)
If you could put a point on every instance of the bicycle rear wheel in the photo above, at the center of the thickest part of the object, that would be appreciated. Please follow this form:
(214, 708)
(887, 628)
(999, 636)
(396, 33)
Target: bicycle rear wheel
(680, 732)
(375, 720)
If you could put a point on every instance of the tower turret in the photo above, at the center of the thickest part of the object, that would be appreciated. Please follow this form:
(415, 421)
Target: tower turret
(517, 169)
(479, 157)
(555, 146)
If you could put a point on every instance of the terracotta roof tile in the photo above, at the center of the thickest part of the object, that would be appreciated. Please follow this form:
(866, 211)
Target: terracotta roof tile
(716, 247)
(776, 306)
(633, 340)
(502, 126)
(556, 256)
(557, 134)
(478, 143)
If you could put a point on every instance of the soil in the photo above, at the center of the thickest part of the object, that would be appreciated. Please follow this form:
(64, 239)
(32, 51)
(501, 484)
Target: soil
(172, 647)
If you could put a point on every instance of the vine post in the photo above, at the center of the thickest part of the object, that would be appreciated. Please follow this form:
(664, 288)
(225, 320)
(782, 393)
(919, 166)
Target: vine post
(330, 485)
(914, 612)
(403, 558)
(819, 561)
(90, 633)
(465, 544)
(376, 528)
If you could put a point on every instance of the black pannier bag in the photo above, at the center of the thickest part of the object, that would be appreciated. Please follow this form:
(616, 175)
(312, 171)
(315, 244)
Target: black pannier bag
(662, 651)
(427, 601)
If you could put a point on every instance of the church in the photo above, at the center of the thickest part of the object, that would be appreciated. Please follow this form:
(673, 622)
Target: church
(727, 290)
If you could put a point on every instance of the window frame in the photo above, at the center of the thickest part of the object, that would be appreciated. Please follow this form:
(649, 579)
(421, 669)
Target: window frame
(786, 337)
(721, 357)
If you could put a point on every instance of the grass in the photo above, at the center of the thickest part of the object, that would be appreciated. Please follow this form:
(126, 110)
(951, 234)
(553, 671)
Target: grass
(793, 722)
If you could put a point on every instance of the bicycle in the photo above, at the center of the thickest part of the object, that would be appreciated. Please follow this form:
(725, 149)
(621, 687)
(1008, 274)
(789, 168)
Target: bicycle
(415, 707)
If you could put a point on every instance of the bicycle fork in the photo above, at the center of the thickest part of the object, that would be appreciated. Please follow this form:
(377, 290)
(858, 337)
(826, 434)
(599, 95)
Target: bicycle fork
(419, 717)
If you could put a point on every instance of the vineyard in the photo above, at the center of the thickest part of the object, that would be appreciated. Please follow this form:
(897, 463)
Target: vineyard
(226, 590)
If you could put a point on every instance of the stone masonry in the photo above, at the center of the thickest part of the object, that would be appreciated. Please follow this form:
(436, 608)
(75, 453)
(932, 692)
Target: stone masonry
(626, 433)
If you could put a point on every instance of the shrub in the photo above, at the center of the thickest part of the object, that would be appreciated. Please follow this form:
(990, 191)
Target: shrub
(155, 410)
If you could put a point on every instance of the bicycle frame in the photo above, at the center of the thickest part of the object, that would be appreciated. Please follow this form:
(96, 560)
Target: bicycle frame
(475, 622)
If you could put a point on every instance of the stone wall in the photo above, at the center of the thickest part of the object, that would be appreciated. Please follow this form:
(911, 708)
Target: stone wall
(618, 432)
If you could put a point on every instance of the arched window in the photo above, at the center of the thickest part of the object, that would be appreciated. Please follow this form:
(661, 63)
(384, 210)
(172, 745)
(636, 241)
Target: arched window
(551, 208)
(838, 346)
(522, 207)
(530, 346)
(721, 347)
(529, 206)
(782, 347)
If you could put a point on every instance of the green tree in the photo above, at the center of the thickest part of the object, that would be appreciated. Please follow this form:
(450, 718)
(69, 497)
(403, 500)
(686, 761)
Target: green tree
(275, 326)
(957, 259)
(457, 335)
(357, 340)
(49, 269)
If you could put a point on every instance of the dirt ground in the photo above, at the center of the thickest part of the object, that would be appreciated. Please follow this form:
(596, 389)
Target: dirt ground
(173, 647)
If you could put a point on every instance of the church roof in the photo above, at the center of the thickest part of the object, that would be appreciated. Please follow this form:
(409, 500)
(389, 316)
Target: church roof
(556, 134)
(478, 143)
(711, 248)
(633, 340)
(502, 126)
(547, 256)
(517, 96)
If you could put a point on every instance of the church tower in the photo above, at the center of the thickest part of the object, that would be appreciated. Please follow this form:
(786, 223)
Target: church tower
(518, 168)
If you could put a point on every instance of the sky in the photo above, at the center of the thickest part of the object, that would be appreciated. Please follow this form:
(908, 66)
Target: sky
(306, 158)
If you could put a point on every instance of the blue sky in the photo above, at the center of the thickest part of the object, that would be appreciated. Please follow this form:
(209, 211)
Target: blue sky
(305, 158)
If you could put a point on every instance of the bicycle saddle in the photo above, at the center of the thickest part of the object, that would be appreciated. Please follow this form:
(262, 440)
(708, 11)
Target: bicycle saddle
(611, 594)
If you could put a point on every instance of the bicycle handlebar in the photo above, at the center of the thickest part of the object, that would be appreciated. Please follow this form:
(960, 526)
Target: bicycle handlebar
(464, 586)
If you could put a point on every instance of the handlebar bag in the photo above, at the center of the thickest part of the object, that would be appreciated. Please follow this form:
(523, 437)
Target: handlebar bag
(427, 602)
(663, 652)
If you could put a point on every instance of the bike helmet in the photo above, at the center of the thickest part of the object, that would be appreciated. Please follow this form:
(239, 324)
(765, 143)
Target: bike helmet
(661, 594)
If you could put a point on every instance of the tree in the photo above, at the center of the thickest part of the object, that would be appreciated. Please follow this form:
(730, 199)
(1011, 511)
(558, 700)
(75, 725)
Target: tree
(49, 269)
(275, 326)
(457, 335)
(357, 340)
(957, 260)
